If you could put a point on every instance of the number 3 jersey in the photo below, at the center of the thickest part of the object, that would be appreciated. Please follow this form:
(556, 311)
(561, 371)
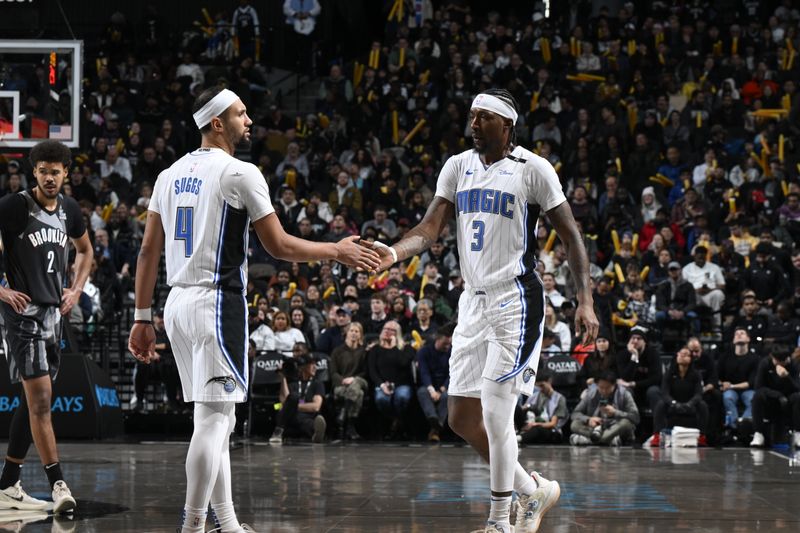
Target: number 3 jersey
(497, 208)
(206, 200)
(36, 244)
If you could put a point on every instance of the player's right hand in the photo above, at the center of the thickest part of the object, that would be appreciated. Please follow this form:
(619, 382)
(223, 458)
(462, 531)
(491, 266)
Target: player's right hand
(142, 342)
(17, 300)
(386, 257)
(353, 254)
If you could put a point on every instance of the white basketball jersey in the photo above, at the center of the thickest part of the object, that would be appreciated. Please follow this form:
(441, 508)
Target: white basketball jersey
(206, 200)
(497, 208)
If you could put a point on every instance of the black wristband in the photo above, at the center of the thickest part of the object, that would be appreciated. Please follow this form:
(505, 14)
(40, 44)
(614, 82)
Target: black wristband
(143, 322)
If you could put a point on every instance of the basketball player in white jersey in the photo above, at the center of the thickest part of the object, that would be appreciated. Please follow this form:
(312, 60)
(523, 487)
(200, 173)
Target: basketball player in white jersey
(200, 212)
(496, 191)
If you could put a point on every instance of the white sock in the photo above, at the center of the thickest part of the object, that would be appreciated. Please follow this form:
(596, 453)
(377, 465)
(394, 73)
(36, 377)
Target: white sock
(225, 517)
(500, 510)
(194, 520)
(498, 401)
(524, 483)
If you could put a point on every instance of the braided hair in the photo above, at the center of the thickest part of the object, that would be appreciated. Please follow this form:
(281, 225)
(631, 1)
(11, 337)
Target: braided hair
(508, 98)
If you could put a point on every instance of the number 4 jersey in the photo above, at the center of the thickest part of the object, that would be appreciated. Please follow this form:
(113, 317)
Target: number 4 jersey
(36, 244)
(206, 200)
(497, 208)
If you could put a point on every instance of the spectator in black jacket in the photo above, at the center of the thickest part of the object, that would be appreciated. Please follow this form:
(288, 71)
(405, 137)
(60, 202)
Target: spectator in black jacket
(785, 327)
(681, 396)
(433, 360)
(389, 364)
(765, 277)
(737, 371)
(600, 361)
(676, 299)
(333, 337)
(777, 394)
(705, 364)
(640, 369)
(750, 319)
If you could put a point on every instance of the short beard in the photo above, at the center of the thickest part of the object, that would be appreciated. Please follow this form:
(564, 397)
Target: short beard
(243, 144)
(47, 195)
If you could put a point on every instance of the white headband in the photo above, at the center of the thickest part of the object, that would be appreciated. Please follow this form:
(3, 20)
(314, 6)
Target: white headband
(215, 107)
(495, 105)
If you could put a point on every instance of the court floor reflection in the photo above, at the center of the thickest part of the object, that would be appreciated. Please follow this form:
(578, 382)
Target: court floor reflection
(378, 488)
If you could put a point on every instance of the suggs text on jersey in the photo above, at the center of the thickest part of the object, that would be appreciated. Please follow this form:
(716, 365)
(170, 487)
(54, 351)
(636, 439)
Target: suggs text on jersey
(486, 201)
(191, 185)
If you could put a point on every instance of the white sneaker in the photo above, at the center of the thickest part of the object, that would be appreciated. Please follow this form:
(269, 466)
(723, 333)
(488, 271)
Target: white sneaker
(63, 502)
(796, 439)
(531, 509)
(758, 440)
(579, 440)
(495, 528)
(14, 497)
(277, 437)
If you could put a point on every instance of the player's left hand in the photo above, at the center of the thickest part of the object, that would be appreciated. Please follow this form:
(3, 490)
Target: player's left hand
(69, 297)
(586, 320)
(142, 342)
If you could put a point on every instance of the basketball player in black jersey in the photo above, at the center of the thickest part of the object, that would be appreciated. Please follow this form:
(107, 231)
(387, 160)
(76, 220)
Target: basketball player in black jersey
(36, 227)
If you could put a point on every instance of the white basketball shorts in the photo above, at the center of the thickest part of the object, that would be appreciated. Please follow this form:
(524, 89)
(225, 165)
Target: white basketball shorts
(208, 332)
(498, 336)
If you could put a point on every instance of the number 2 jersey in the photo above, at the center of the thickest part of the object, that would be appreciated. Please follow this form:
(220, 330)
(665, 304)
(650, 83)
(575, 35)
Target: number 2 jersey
(497, 209)
(206, 200)
(36, 244)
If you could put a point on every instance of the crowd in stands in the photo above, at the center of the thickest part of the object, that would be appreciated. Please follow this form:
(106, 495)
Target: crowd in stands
(673, 128)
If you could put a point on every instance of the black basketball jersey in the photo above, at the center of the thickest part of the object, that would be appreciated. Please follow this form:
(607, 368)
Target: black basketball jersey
(36, 244)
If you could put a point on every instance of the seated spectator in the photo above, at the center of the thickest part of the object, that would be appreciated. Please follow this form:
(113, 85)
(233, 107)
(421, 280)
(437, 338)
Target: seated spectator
(286, 336)
(114, 164)
(333, 336)
(766, 278)
(708, 282)
(597, 363)
(261, 333)
(345, 194)
(675, 299)
(552, 322)
(705, 364)
(382, 223)
(424, 322)
(349, 380)
(439, 254)
(301, 399)
(640, 369)
(377, 316)
(544, 413)
(606, 415)
(433, 361)
(389, 364)
(736, 369)
(551, 291)
(304, 324)
(750, 319)
(785, 327)
(777, 395)
(681, 396)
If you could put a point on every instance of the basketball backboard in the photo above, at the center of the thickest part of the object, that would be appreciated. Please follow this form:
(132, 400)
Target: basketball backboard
(40, 92)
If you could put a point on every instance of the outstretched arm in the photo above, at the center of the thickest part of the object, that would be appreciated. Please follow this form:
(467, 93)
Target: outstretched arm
(567, 230)
(281, 245)
(421, 236)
